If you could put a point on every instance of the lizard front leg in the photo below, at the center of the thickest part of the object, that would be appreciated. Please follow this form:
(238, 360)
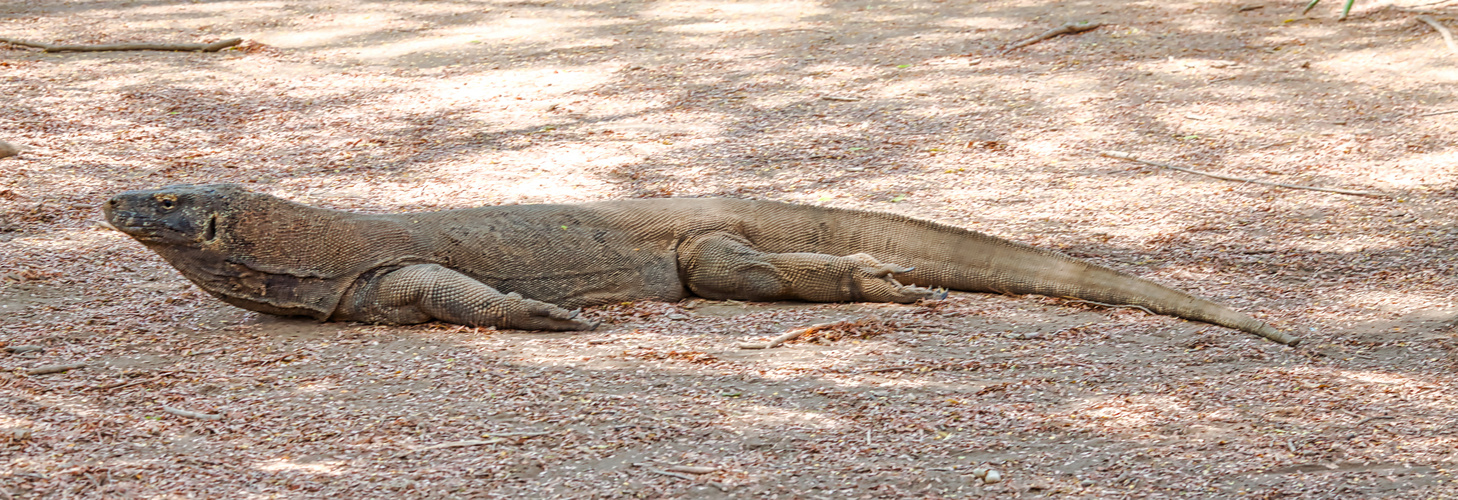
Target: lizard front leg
(423, 292)
(722, 266)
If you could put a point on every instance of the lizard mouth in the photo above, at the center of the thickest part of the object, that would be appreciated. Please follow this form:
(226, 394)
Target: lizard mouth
(141, 227)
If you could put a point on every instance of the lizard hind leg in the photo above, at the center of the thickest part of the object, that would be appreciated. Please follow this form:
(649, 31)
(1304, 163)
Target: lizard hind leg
(722, 266)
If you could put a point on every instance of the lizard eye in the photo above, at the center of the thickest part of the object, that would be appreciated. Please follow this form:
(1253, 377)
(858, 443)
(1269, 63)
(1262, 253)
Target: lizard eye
(168, 204)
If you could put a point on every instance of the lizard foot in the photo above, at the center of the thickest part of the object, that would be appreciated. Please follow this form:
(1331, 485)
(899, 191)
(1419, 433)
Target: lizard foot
(874, 278)
(528, 314)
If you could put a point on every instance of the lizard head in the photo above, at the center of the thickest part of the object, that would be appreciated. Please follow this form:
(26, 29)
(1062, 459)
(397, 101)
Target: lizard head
(173, 215)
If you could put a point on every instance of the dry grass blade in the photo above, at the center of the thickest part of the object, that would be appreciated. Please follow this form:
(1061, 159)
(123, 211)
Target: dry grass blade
(784, 337)
(1131, 157)
(500, 437)
(1065, 29)
(691, 469)
(191, 414)
(1442, 30)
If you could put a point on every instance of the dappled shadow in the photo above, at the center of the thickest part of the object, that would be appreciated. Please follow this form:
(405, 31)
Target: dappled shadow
(906, 107)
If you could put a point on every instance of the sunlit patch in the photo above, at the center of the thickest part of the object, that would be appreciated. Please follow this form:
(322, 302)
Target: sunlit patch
(743, 15)
(1136, 411)
(984, 23)
(760, 416)
(561, 26)
(317, 37)
(1392, 300)
(225, 10)
(327, 467)
(1378, 377)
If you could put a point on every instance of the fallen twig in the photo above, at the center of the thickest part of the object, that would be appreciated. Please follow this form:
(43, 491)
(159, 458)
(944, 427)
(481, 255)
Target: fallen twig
(896, 368)
(191, 414)
(840, 98)
(671, 474)
(1128, 156)
(785, 337)
(46, 370)
(1436, 113)
(276, 359)
(176, 47)
(1442, 30)
(691, 469)
(1359, 424)
(462, 444)
(17, 349)
(1066, 29)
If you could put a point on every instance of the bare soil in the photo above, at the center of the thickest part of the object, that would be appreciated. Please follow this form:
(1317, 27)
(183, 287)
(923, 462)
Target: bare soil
(902, 106)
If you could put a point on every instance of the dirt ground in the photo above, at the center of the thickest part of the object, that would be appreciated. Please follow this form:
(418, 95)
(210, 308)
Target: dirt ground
(903, 106)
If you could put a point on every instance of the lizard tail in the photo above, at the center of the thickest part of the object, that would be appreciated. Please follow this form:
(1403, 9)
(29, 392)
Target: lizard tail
(960, 259)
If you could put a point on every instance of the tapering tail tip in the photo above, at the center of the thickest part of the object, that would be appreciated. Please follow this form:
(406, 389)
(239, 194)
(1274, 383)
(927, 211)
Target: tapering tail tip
(1277, 336)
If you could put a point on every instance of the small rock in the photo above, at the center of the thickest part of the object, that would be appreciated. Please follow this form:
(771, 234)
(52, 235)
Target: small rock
(757, 443)
(992, 477)
(8, 149)
(979, 473)
(18, 433)
(677, 317)
(1086, 483)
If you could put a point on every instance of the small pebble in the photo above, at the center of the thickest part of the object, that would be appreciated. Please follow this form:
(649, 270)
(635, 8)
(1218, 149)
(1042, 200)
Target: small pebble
(979, 472)
(8, 149)
(19, 433)
(1086, 483)
(992, 477)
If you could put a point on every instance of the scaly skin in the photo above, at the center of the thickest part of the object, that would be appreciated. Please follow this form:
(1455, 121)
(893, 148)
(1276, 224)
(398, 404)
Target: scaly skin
(525, 266)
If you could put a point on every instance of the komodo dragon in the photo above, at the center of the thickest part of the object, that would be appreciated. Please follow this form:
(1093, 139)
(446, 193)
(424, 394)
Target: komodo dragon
(527, 266)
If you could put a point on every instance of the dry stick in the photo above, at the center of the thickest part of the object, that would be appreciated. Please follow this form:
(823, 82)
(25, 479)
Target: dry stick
(899, 368)
(1127, 156)
(1436, 113)
(1447, 35)
(691, 469)
(191, 414)
(8, 149)
(46, 370)
(672, 474)
(1066, 29)
(785, 337)
(463, 444)
(177, 47)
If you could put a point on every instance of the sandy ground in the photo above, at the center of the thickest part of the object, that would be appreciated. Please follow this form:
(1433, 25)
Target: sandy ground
(904, 106)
